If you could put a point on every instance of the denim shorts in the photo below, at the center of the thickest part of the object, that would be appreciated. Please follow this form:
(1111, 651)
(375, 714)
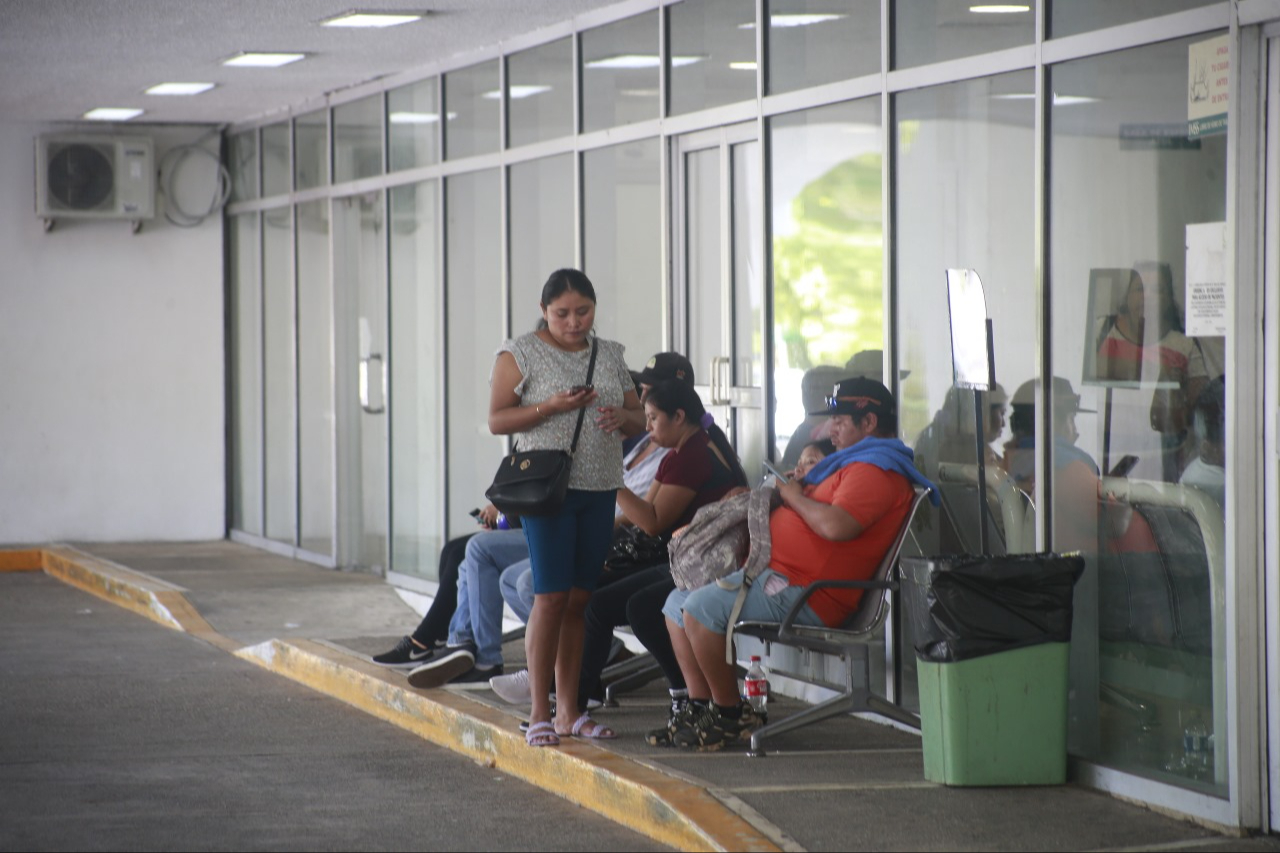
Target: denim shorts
(711, 604)
(567, 550)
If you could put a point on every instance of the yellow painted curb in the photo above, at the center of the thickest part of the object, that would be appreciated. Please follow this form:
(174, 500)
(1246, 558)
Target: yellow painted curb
(666, 809)
(21, 561)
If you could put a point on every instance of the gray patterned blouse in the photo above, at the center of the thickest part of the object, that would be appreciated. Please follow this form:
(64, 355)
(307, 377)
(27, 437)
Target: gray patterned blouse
(548, 370)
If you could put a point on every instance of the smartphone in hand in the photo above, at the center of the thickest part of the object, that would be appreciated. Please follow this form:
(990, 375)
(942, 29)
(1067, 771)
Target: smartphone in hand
(579, 389)
(782, 478)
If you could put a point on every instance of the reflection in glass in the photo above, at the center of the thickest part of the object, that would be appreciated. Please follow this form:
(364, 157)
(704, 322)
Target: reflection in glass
(620, 73)
(815, 41)
(965, 183)
(713, 54)
(541, 210)
(473, 102)
(246, 375)
(828, 256)
(926, 31)
(474, 276)
(417, 393)
(242, 153)
(277, 168)
(622, 243)
(540, 93)
(1128, 184)
(1082, 16)
(413, 125)
(311, 150)
(357, 139)
(315, 381)
(279, 389)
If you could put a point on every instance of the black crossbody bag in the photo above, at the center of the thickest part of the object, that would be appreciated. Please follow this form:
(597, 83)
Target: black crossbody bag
(534, 482)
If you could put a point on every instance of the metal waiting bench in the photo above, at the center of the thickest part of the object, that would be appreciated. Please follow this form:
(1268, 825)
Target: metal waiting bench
(850, 642)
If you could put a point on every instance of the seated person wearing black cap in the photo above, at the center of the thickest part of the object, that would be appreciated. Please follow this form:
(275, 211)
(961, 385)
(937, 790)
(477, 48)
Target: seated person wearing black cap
(835, 524)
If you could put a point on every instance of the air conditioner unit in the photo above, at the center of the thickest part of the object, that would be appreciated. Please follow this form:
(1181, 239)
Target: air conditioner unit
(84, 176)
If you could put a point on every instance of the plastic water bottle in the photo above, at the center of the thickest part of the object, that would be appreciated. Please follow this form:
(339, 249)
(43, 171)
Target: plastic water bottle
(502, 523)
(1195, 746)
(756, 687)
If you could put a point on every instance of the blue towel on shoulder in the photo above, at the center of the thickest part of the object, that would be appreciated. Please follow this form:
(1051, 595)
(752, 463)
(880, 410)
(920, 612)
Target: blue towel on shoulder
(889, 454)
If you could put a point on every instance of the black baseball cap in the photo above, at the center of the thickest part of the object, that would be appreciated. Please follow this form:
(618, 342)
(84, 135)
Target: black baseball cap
(859, 396)
(666, 366)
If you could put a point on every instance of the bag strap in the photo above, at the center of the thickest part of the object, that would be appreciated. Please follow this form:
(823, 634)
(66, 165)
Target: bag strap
(582, 412)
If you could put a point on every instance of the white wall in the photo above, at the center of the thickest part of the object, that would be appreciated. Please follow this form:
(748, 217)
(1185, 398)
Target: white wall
(111, 409)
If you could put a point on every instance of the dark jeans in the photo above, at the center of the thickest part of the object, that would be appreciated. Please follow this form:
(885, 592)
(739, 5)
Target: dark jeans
(434, 627)
(634, 600)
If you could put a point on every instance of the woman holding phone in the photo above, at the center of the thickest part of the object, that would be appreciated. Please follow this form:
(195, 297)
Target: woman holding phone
(538, 387)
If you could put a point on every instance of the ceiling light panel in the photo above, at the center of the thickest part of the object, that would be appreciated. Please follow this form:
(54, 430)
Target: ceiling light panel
(179, 88)
(999, 9)
(375, 20)
(112, 114)
(263, 60)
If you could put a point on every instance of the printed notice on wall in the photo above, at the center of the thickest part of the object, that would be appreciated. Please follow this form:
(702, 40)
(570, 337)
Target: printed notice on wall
(1208, 78)
(1206, 297)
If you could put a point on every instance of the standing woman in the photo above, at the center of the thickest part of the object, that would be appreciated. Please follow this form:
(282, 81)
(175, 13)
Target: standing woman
(536, 395)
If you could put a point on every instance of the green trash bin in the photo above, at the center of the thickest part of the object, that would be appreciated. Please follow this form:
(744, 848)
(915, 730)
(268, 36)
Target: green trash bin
(991, 637)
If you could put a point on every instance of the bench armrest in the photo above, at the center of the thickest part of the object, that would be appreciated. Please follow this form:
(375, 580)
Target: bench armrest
(788, 621)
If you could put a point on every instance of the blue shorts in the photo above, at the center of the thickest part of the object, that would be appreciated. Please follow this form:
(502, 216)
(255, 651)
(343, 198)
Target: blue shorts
(567, 550)
(711, 604)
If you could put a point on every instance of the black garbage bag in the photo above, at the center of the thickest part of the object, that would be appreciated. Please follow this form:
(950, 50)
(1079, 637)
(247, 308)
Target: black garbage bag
(962, 606)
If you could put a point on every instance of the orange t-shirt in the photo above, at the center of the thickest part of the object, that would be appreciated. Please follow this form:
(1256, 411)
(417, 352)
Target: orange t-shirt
(877, 499)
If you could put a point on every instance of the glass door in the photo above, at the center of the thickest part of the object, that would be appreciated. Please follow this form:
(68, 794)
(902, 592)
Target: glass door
(719, 307)
(360, 287)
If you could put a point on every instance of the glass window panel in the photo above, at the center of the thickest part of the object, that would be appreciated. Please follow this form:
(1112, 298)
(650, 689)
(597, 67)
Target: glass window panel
(413, 124)
(541, 210)
(622, 243)
(472, 100)
(277, 171)
(242, 150)
(821, 41)
(713, 53)
(966, 199)
(279, 389)
(747, 279)
(1069, 17)
(620, 73)
(540, 93)
(1127, 185)
(928, 31)
(246, 375)
(315, 380)
(474, 323)
(828, 256)
(311, 150)
(417, 392)
(357, 139)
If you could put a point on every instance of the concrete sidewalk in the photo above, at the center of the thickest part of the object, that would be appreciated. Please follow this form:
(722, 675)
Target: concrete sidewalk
(841, 785)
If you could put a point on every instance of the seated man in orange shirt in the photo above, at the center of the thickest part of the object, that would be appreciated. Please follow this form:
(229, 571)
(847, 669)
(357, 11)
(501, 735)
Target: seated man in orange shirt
(835, 524)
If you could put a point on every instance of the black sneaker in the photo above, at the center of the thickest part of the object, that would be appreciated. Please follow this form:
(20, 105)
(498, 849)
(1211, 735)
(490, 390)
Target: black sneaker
(681, 709)
(407, 653)
(476, 678)
(446, 665)
(710, 730)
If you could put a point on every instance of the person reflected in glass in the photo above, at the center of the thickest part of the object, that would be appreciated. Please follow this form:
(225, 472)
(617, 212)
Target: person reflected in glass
(1144, 342)
(1207, 471)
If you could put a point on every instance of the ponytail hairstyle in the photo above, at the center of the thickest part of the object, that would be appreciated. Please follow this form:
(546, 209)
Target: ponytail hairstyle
(671, 396)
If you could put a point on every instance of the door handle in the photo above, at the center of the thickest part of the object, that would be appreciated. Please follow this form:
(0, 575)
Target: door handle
(719, 385)
(366, 384)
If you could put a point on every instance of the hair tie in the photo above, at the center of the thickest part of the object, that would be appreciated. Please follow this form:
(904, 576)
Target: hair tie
(707, 420)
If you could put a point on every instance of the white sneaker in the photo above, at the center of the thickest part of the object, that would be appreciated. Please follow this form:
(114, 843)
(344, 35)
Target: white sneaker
(513, 688)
